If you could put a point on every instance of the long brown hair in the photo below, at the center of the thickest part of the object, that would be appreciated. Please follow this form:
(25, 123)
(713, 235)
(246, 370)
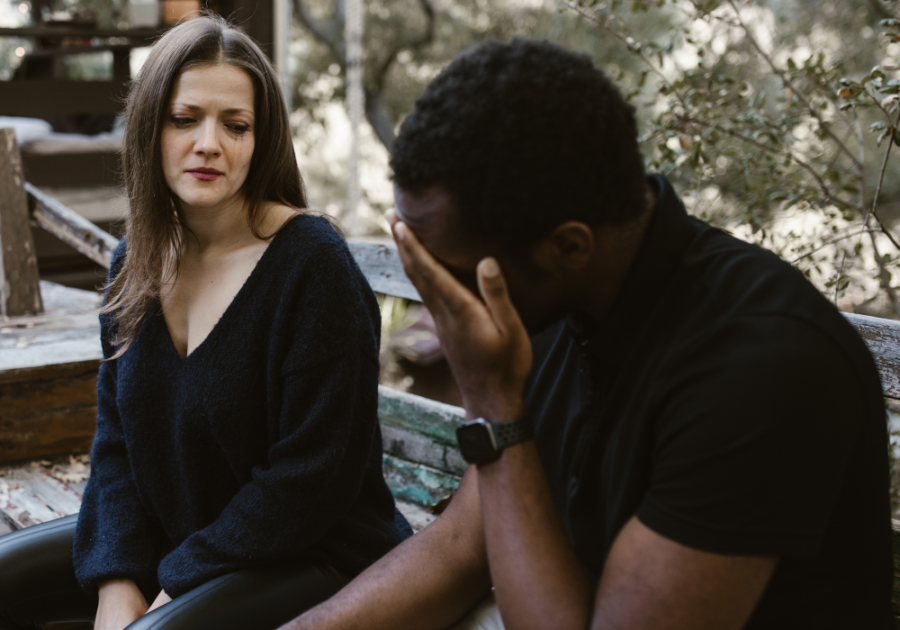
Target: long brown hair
(153, 228)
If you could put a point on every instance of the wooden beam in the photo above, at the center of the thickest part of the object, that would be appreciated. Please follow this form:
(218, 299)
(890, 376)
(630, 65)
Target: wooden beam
(883, 338)
(382, 267)
(72, 170)
(70, 227)
(20, 292)
(420, 430)
(142, 35)
(51, 97)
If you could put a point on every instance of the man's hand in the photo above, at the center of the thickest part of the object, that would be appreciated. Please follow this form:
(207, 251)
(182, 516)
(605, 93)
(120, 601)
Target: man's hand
(161, 600)
(485, 343)
(121, 603)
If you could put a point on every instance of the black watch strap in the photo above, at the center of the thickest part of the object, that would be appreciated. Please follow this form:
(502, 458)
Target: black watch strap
(481, 441)
(512, 432)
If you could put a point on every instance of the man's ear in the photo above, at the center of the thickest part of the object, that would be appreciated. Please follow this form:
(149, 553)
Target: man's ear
(569, 247)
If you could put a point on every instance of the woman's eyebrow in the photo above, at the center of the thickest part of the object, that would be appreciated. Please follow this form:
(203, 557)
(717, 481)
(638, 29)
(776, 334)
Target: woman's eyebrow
(230, 110)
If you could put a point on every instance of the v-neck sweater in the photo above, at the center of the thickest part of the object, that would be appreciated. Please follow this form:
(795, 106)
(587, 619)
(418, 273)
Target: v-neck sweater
(261, 446)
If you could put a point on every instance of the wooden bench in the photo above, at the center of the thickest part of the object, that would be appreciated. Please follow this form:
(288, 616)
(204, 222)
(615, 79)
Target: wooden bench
(44, 356)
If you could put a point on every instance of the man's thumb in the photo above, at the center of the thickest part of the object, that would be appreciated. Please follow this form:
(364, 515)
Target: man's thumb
(492, 285)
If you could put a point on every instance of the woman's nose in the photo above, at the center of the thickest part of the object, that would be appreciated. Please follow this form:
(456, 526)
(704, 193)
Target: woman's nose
(207, 141)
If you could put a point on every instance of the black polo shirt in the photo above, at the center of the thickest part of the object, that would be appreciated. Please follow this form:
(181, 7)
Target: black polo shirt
(729, 406)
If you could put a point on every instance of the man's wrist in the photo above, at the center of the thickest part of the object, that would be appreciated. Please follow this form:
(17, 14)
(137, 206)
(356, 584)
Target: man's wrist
(482, 442)
(496, 411)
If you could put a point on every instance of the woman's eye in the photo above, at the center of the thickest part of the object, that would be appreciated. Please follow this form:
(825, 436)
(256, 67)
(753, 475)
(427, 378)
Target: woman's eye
(181, 121)
(239, 129)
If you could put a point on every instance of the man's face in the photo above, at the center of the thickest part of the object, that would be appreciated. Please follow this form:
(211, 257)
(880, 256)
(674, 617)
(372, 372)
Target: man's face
(434, 219)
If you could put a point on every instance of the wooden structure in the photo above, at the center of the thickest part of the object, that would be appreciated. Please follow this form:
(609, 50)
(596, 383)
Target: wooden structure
(40, 90)
(19, 292)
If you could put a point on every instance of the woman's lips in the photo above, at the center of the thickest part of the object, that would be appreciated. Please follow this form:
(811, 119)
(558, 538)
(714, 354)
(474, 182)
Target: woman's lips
(205, 174)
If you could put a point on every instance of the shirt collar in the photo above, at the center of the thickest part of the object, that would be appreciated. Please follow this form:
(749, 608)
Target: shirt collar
(668, 236)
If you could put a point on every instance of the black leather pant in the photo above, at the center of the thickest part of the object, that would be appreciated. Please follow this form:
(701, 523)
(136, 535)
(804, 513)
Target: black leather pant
(37, 586)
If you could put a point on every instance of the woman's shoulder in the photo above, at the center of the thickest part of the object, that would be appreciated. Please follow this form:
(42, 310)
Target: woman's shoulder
(312, 239)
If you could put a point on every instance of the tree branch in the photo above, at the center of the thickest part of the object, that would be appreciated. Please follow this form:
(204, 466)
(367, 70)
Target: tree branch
(606, 25)
(823, 186)
(885, 277)
(330, 33)
(879, 9)
(378, 117)
(410, 43)
(783, 76)
(832, 242)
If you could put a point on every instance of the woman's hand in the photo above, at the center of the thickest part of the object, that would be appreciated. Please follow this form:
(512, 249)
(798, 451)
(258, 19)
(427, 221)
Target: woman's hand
(485, 342)
(121, 603)
(161, 600)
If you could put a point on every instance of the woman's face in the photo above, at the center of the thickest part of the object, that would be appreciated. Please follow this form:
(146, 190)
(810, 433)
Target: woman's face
(208, 137)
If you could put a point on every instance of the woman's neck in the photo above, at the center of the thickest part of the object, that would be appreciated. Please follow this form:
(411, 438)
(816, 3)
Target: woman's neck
(224, 227)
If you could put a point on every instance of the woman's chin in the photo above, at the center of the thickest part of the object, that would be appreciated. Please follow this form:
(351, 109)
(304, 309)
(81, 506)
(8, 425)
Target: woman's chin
(206, 202)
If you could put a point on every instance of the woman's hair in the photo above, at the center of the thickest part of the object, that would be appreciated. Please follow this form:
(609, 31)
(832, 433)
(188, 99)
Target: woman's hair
(153, 227)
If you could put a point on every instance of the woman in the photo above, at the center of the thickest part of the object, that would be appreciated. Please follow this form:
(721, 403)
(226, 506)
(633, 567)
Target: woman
(236, 469)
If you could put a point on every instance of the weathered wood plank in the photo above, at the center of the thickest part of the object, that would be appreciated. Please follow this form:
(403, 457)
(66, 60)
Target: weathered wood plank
(63, 342)
(20, 508)
(48, 372)
(47, 417)
(419, 517)
(34, 493)
(883, 338)
(47, 433)
(382, 267)
(57, 496)
(20, 293)
(431, 418)
(51, 97)
(420, 448)
(420, 430)
(415, 483)
(70, 227)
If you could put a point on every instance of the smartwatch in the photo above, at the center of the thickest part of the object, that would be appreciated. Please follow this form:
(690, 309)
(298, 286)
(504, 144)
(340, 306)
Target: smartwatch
(481, 441)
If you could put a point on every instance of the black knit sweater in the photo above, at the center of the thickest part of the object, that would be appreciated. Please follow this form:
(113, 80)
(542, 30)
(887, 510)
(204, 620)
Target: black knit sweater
(262, 446)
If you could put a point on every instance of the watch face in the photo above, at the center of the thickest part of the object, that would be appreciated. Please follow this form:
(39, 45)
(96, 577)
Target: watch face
(475, 443)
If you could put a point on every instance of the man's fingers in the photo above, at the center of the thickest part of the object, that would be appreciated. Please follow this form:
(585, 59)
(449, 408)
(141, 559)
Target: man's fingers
(415, 259)
(433, 282)
(493, 289)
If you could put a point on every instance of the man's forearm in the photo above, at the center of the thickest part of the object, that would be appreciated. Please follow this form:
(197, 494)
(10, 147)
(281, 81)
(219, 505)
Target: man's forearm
(427, 583)
(538, 580)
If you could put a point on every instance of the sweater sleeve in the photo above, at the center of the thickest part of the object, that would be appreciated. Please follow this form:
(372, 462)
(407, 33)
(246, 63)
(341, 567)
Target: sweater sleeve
(327, 441)
(113, 538)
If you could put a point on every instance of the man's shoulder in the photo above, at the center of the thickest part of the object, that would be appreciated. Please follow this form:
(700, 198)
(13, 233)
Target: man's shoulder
(726, 282)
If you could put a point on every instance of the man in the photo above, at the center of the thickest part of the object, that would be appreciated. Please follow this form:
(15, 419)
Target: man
(709, 446)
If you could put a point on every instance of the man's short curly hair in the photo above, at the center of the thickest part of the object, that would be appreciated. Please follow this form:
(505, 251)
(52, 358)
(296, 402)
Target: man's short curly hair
(523, 136)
